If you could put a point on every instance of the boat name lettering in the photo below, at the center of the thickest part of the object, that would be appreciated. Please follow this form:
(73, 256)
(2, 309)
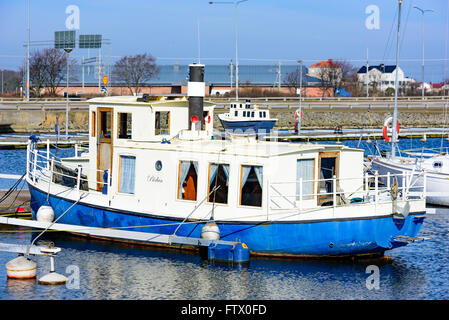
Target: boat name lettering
(154, 179)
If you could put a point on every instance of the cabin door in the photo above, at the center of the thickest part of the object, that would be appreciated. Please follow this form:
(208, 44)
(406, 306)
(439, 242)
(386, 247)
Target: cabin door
(104, 144)
(327, 168)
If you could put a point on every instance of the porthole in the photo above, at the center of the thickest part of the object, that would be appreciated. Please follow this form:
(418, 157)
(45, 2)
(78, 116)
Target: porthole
(158, 165)
(437, 164)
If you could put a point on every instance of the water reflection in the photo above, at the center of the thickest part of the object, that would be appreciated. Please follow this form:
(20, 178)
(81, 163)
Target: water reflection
(122, 271)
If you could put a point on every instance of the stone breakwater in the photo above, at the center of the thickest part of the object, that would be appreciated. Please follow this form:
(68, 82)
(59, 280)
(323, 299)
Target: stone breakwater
(320, 119)
(27, 121)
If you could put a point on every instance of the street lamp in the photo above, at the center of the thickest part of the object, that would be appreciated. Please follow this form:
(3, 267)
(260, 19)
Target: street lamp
(27, 84)
(67, 97)
(423, 11)
(299, 112)
(235, 3)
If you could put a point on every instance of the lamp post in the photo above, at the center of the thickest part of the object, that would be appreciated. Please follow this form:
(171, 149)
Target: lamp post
(27, 84)
(299, 112)
(67, 97)
(422, 12)
(235, 3)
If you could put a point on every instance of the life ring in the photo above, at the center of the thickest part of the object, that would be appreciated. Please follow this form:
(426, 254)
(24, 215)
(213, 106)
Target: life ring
(385, 128)
(296, 115)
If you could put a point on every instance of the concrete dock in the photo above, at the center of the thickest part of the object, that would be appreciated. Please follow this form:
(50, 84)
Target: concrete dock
(18, 198)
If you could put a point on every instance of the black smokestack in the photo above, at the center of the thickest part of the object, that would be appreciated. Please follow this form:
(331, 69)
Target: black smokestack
(195, 91)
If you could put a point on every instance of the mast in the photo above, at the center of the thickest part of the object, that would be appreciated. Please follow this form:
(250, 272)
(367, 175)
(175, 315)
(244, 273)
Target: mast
(394, 139)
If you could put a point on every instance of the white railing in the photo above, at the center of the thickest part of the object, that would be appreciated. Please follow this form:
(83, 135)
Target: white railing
(369, 189)
(42, 165)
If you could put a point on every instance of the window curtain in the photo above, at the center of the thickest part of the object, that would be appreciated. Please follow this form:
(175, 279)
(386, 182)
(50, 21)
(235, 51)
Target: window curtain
(245, 173)
(259, 174)
(185, 166)
(213, 173)
(127, 174)
(226, 172)
(195, 165)
(304, 170)
(214, 170)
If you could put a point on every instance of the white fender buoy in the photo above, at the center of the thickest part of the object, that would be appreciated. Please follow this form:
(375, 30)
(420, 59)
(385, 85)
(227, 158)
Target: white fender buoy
(53, 278)
(210, 231)
(45, 214)
(21, 268)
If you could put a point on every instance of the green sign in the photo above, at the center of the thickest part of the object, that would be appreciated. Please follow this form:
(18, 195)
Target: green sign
(64, 39)
(90, 41)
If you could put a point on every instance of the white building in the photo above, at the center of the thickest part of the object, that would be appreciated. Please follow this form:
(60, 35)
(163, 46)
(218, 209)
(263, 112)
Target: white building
(382, 77)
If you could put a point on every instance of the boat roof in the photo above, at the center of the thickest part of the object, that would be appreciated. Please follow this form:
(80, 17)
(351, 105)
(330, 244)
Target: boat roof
(262, 149)
(153, 100)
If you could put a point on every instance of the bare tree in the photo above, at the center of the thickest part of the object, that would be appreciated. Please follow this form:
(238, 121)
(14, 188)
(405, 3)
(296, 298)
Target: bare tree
(12, 80)
(135, 70)
(48, 70)
(293, 79)
(349, 79)
(348, 71)
(330, 77)
(56, 67)
(38, 72)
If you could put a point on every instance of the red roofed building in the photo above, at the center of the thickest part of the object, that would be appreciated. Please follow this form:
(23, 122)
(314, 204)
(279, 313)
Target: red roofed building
(437, 86)
(326, 70)
(325, 64)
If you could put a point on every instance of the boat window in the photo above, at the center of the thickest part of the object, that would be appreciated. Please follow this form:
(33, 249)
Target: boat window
(244, 113)
(252, 114)
(125, 125)
(127, 174)
(105, 124)
(162, 123)
(251, 186)
(93, 124)
(264, 114)
(218, 180)
(188, 180)
(328, 169)
(437, 164)
(236, 113)
(305, 169)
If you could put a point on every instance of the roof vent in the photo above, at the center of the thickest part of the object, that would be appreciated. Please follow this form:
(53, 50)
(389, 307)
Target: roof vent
(145, 98)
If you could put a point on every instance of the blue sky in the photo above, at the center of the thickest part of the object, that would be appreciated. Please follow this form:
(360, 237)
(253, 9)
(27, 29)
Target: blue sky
(268, 30)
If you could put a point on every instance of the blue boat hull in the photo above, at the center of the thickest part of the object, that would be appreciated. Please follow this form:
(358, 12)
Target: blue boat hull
(343, 237)
(243, 126)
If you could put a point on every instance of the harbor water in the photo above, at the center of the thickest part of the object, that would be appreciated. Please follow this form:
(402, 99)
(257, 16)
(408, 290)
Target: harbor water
(102, 270)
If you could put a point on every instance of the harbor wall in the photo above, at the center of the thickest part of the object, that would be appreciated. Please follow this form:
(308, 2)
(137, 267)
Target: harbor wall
(350, 118)
(44, 120)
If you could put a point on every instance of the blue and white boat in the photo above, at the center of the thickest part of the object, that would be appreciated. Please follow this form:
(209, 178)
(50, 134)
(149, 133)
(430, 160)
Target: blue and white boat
(243, 118)
(154, 166)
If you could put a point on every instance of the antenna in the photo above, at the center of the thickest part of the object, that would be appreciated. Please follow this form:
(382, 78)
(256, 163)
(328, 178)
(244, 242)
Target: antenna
(367, 76)
(199, 44)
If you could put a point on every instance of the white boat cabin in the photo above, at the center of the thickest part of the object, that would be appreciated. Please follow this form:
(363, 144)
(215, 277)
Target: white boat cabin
(246, 111)
(157, 164)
